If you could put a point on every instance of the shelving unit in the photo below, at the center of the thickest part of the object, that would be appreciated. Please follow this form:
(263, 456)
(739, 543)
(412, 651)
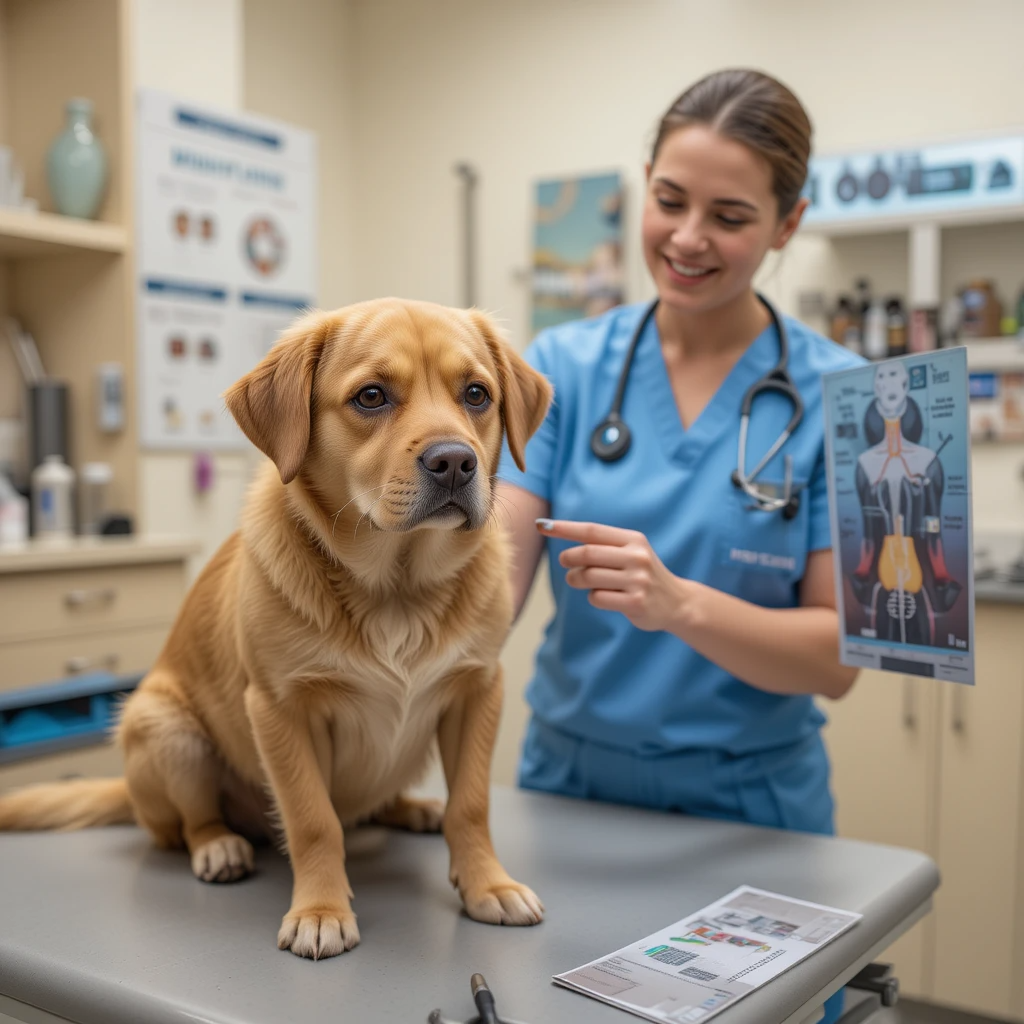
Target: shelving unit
(69, 281)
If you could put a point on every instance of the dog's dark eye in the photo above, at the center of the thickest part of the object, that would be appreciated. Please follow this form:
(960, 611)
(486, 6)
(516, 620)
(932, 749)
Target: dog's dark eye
(476, 395)
(371, 398)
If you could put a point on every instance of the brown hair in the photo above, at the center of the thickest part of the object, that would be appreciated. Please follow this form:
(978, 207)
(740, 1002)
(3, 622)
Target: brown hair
(757, 110)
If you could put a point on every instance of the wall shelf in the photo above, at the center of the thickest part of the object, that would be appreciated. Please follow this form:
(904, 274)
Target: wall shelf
(33, 235)
(883, 225)
(993, 355)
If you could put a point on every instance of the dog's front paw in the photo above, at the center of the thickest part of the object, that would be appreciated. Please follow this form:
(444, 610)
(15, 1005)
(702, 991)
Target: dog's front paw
(503, 902)
(318, 933)
(227, 858)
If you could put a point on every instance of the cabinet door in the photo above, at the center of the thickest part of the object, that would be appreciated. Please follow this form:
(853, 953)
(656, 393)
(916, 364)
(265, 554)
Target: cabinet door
(979, 831)
(882, 741)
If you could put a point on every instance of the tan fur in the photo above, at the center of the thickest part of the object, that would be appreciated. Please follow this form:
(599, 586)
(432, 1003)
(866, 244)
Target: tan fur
(334, 640)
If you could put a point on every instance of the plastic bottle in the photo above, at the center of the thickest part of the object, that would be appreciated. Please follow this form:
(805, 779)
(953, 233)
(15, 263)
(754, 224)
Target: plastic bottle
(924, 329)
(13, 514)
(845, 327)
(52, 483)
(876, 340)
(93, 481)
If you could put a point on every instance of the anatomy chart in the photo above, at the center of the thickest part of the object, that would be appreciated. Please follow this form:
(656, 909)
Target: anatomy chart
(898, 449)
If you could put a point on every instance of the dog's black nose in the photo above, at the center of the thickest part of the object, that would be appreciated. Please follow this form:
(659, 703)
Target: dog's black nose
(450, 463)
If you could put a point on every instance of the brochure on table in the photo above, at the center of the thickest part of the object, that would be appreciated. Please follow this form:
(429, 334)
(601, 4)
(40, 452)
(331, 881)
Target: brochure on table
(698, 966)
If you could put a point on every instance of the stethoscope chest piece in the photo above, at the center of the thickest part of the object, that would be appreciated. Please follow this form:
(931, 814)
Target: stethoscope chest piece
(611, 439)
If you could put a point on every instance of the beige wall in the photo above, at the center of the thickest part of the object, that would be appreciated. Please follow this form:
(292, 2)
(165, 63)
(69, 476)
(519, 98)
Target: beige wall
(547, 87)
(287, 61)
(400, 90)
(209, 32)
(298, 67)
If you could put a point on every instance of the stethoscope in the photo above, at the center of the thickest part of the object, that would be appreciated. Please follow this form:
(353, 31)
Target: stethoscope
(611, 437)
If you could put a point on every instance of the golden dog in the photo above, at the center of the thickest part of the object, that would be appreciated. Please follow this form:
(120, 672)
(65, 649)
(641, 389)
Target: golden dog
(356, 616)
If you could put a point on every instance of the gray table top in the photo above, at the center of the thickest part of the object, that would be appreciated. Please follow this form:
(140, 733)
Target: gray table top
(101, 928)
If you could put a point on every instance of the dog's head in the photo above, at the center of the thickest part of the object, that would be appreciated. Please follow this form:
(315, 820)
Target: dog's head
(393, 411)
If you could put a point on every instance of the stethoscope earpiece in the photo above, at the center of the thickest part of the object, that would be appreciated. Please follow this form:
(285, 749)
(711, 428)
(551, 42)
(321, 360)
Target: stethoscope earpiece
(610, 439)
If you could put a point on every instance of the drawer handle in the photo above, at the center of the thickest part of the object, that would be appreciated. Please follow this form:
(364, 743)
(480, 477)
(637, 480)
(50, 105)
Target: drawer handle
(82, 663)
(81, 598)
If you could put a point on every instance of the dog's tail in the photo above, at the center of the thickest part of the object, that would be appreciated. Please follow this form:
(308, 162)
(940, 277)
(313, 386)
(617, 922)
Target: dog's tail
(71, 804)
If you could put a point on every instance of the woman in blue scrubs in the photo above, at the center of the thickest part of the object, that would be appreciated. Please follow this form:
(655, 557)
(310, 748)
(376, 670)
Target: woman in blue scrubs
(692, 629)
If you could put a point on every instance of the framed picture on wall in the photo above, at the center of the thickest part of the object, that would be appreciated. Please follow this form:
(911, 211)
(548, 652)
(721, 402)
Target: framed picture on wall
(577, 248)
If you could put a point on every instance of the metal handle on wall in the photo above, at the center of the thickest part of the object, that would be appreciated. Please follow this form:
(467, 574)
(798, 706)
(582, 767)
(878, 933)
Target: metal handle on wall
(81, 663)
(909, 703)
(469, 180)
(79, 598)
(959, 708)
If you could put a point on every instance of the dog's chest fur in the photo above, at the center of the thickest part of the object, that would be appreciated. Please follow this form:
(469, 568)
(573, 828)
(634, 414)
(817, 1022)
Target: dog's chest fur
(383, 682)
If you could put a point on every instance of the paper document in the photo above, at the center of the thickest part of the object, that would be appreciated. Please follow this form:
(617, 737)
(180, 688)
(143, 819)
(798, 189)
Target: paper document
(698, 966)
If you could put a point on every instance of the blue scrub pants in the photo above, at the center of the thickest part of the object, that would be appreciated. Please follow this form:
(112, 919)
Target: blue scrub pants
(783, 788)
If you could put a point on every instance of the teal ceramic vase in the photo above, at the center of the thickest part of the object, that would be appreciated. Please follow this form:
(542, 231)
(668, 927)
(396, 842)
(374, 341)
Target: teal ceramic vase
(76, 165)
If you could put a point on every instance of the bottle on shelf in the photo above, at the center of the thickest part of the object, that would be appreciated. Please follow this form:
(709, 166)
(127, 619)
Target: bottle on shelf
(983, 312)
(896, 328)
(924, 329)
(876, 331)
(845, 328)
(52, 511)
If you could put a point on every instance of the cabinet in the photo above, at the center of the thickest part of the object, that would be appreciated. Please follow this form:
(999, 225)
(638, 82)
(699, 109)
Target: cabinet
(82, 607)
(939, 767)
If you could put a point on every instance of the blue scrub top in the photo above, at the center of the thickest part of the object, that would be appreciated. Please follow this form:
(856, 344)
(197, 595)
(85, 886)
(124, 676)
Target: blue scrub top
(597, 676)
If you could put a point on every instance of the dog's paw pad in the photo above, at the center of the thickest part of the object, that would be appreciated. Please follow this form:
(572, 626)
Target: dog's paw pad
(317, 935)
(505, 903)
(224, 859)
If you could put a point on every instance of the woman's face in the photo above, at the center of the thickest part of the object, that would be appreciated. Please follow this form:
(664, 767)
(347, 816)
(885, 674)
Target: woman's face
(709, 218)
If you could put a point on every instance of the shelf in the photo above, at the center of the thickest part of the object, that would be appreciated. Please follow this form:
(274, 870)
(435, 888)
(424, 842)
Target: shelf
(28, 235)
(994, 354)
(883, 225)
(90, 552)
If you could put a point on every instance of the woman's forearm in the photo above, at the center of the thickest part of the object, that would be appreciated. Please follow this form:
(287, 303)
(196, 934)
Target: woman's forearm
(780, 650)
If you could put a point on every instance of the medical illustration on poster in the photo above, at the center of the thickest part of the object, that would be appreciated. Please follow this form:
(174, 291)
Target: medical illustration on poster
(226, 223)
(898, 448)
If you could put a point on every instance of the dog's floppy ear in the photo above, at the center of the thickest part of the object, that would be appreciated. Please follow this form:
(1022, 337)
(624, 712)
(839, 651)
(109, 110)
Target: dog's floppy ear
(271, 402)
(525, 393)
